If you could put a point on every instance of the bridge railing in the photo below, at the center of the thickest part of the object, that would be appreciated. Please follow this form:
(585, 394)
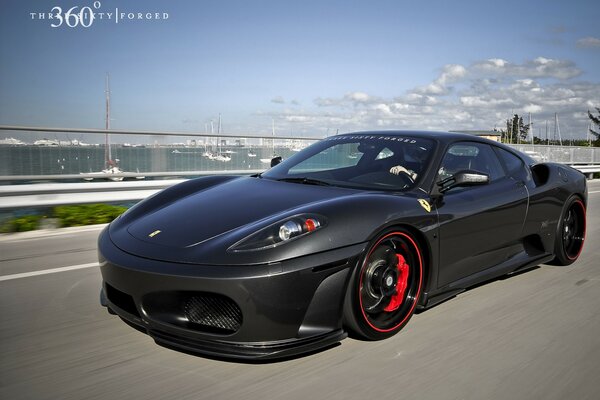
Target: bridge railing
(572, 155)
(32, 154)
(60, 154)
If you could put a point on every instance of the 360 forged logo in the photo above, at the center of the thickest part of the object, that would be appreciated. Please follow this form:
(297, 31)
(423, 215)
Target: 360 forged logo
(86, 16)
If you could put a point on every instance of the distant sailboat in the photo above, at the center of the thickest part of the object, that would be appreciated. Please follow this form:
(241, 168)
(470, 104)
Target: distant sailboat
(221, 156)
(110, 166)
(268, 160)
(208, 155)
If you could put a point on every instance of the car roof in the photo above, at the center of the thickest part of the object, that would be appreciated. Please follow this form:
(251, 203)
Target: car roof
(444, 138)
(438, 135)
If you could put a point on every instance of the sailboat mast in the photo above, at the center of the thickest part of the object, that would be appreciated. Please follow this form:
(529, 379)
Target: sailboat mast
(219, 133)
(273, 134)
(557, 128)
(107, 152)
(531, 128)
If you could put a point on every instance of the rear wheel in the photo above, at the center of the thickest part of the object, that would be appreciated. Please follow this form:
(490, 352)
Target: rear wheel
(385, 288)
(571, 233)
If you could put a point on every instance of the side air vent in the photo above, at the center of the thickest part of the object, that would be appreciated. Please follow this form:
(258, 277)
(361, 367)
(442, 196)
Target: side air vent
(540, 173)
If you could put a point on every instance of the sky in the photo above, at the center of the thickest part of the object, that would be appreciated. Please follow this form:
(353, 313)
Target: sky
(313, 68)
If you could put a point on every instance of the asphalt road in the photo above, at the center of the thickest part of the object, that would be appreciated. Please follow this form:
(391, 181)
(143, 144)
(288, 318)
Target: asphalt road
(532, 336)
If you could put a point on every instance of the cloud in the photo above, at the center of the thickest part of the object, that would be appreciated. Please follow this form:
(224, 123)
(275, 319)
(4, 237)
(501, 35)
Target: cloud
(532, 108)
(358, 97)
(450, 73)
(278, 100)
(589, 42)
(349, 99)
(541, 67)
(481, 95)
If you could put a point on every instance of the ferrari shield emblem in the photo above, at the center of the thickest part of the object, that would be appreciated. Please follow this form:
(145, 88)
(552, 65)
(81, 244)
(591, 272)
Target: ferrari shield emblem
(156, 232)
(425, 204)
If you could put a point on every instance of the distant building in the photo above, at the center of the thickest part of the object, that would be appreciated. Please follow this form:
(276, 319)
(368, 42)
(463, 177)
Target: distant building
(492, 135)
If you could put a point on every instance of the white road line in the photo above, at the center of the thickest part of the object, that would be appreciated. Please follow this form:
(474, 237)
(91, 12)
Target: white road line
(597, 191)
(47, 271)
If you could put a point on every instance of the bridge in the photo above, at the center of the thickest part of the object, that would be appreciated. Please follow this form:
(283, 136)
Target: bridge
(39, 188)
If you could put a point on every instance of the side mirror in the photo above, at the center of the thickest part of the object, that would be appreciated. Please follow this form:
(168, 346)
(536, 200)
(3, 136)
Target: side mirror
(275, 160)
(462, 179)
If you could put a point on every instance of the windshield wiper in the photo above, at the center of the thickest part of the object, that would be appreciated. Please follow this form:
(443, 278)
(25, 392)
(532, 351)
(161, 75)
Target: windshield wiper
(305, 181)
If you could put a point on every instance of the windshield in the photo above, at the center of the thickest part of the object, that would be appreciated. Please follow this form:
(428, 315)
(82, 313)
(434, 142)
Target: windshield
(381, 162)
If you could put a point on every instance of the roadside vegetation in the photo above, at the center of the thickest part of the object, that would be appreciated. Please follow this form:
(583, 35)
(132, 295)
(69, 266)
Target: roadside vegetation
(64, 216)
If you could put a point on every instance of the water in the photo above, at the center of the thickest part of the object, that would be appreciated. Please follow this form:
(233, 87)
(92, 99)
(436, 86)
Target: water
(44, 160)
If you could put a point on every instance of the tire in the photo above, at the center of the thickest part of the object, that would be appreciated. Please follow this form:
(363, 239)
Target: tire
(385, 286)
(570, 234)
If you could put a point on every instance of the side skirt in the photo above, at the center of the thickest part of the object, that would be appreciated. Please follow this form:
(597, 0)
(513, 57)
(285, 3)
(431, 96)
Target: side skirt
(510, 266)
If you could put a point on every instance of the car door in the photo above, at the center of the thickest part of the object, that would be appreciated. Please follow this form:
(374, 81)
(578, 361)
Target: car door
(479, 225)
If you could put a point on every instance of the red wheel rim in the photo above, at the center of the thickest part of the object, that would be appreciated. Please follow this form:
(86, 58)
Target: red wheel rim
(400, 305)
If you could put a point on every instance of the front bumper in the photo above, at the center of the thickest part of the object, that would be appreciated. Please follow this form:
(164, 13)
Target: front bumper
(260, 312)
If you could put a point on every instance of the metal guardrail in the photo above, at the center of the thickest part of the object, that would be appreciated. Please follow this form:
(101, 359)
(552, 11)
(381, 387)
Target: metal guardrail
(124, 175)
(52, 194)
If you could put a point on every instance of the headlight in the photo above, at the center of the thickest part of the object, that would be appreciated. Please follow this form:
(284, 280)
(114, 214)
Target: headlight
(280, 232)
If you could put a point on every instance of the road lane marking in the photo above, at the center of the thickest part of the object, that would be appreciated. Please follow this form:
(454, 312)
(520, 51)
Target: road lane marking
(47, 271)
(597, 191)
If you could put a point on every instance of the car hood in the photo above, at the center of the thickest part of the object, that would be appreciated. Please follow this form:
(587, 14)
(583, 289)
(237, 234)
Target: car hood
(188, 229)
(197, 221)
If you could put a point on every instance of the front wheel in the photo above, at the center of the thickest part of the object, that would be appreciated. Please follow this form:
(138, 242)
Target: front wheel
(571, 233)
(385, 288)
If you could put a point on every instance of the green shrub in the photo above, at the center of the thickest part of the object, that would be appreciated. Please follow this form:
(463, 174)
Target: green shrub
(21, 224)
(79, 215)
(87, 214)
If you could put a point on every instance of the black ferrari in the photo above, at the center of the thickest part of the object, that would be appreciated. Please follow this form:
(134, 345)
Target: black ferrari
(350, 235)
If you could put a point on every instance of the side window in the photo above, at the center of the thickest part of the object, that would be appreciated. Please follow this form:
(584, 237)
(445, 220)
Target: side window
(514, 165)
(471, 156)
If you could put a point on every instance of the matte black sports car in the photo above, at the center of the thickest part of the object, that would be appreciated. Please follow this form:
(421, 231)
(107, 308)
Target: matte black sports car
(352, 234)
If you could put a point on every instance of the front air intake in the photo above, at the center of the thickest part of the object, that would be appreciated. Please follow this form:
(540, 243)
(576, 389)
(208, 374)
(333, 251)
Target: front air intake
(122, 300)
(213, 312)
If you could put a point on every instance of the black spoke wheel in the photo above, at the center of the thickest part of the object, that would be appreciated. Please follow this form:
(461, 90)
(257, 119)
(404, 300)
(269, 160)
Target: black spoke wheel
(571, 232)
(385, 287)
